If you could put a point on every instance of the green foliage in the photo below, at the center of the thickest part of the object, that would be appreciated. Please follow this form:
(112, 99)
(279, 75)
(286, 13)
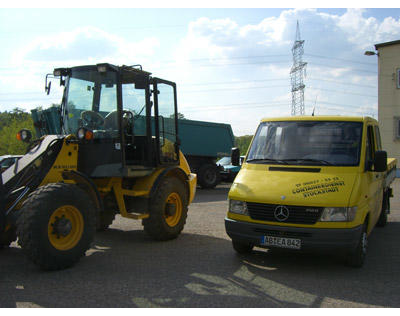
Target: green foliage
(181, 116)
(10, 124)
(243, 142)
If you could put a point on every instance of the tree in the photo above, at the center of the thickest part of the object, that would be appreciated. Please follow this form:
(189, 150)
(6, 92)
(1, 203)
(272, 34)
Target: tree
(10, 124)
(180, 116)
(243, 142)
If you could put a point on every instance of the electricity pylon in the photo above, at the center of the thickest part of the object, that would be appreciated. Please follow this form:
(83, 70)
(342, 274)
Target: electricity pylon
(297, 74)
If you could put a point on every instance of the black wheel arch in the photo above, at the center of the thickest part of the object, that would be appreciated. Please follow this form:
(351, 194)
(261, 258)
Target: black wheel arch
(174, 171)
(86, 184)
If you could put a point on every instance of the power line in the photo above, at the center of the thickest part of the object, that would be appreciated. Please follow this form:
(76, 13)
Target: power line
(341, 59)
(243, 57)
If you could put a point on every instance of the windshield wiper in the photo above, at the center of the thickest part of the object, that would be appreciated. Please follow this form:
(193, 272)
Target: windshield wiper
(309, 160)
(268, 160)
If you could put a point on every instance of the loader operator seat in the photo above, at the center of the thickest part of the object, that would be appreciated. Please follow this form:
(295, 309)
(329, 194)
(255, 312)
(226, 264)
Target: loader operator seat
(92, 119)
(111, 121)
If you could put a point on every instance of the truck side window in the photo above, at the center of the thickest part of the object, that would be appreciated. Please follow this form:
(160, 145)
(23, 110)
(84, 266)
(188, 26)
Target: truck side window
(378, 138)
(369, 158)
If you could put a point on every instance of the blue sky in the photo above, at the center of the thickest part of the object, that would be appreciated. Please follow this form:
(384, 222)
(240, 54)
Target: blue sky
(230, 65)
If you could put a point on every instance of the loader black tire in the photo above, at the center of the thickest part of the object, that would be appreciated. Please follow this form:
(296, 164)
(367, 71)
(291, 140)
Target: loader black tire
(56, 226)
(105, 218)
(168, 210)
(7, 237)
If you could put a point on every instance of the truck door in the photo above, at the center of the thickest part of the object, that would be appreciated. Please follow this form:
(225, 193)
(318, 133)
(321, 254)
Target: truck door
(166, 121)
(374, 178)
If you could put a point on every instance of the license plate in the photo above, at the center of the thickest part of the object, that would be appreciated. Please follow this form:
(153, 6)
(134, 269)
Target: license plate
(281, 242)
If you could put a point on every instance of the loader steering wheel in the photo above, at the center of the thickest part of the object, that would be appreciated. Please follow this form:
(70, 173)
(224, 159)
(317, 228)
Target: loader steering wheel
(92, 119)
(111, 121)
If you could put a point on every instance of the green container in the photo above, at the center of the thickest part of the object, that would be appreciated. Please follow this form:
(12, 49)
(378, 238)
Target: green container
(198, 138)
(207, 139)
(47, 122)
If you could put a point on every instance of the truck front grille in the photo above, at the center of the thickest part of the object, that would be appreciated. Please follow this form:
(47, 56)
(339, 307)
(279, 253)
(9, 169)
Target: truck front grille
(296, 214)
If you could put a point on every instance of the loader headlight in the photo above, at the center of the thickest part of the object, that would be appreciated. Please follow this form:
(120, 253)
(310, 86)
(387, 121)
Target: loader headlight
(84, 134)
(338, 214)
(24, 135)
(238, 207)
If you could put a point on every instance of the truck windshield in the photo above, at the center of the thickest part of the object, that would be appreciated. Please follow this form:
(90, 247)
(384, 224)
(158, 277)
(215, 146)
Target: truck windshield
(307, 143)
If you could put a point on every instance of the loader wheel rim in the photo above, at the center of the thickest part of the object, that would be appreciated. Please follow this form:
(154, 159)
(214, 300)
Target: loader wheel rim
(65, 227)
(175, 200)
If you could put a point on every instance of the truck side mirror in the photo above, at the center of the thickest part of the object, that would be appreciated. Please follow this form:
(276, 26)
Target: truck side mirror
(380, 162)
(235, 156)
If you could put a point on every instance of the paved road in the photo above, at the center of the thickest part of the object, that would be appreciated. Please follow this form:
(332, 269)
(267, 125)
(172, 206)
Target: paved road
(200, 269)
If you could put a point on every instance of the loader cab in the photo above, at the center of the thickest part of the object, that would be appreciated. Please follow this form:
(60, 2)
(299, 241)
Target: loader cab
(125, 119)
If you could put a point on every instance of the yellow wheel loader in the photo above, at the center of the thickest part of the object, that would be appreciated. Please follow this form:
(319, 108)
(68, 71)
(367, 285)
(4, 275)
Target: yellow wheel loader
(118, 153)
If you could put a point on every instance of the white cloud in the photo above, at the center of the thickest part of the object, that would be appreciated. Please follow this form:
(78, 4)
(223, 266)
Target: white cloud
(87, 44)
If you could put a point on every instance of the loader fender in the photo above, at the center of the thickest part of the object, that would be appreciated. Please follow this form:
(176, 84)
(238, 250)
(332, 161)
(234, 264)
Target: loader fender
(174, 171)
(86, 184)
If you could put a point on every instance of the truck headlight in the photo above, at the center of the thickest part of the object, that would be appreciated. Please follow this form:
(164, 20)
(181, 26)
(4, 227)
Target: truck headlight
(238, 207)
(338, 214)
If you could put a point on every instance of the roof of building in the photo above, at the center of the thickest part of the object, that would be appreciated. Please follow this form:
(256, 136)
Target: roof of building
(387, 44)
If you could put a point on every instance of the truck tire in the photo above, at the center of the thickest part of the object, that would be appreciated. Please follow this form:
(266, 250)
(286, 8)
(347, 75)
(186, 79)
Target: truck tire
(241, 247)
(56, 225)
(383, 217)
(168, 210)
(208, 176)
(357, 257)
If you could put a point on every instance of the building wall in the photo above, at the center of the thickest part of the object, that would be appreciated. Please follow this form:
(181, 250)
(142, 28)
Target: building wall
(389, 99)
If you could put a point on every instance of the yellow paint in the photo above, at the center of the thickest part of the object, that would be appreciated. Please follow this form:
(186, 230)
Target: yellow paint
(142, 188)
(175, 201)
(67, 159)
(73, 218)
(331, 187)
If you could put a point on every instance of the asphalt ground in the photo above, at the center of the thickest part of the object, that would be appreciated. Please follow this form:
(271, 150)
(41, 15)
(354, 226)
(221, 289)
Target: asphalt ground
(125, 268)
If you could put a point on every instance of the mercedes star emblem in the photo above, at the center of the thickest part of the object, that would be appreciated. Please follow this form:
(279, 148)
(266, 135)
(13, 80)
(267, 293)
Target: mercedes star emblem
(281, 213)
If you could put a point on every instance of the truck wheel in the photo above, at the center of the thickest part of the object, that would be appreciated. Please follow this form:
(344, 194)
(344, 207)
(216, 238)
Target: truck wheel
(383, 217)
(241, 247)
(7, 237)
(168, 210)
(56, 225)
(357, 257)
(208, 176)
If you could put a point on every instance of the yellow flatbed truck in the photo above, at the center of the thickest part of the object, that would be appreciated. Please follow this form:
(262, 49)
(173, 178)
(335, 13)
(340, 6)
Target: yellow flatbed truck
(311, 183)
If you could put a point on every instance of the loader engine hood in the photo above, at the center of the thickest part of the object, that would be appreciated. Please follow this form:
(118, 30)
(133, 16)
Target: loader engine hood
(294, 185)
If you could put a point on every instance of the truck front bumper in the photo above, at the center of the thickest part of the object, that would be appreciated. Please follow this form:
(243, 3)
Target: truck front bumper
(312, 239)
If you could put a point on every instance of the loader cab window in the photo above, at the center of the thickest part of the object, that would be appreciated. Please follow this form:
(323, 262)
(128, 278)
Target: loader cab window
(167, 123)
(80, 96)
(134, 106)
(90, 97)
